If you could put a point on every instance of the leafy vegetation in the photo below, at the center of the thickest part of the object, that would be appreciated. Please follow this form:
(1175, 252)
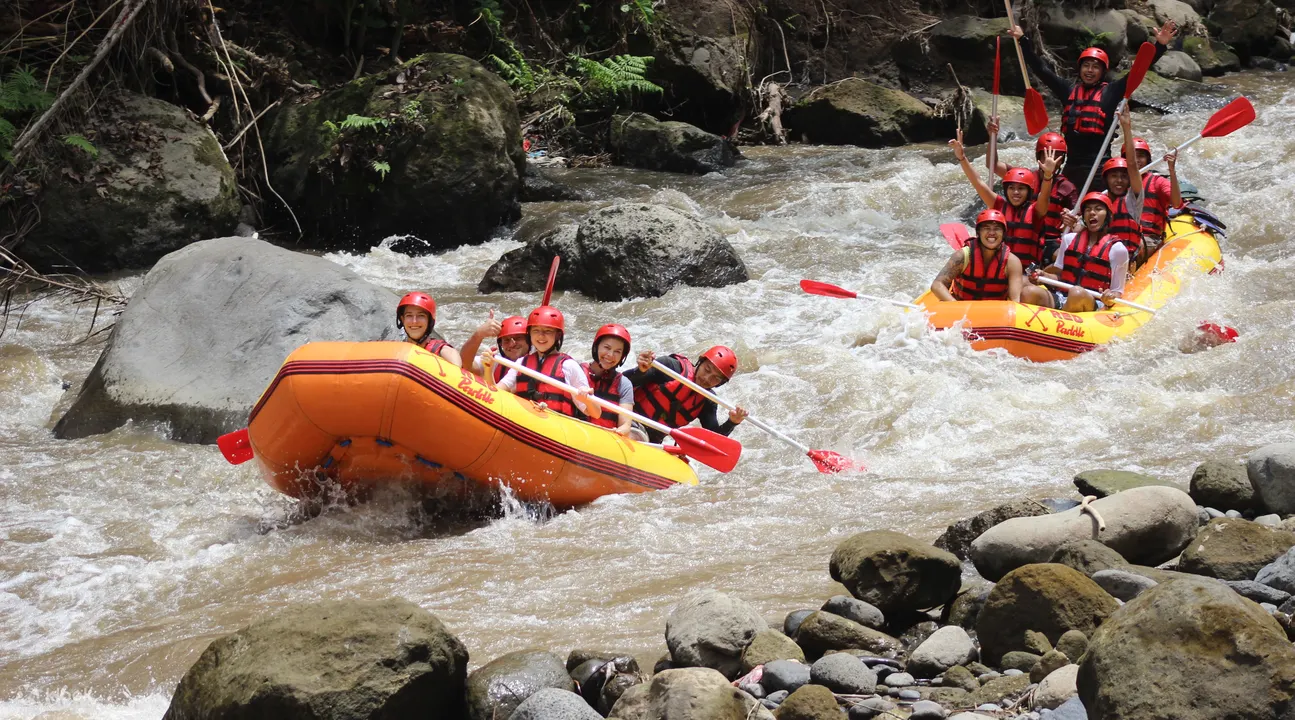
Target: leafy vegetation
(616, 78)
(21, 97)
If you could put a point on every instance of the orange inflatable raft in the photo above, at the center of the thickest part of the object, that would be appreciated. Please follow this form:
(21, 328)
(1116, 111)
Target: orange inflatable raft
(1191, 249)
(374, 413)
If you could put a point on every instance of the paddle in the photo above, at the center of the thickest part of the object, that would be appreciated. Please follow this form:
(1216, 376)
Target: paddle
(1141, 64)
(813, 287)
(709, 448)
(956, 234)
(992, 158)
(553, 276)
(1232, 117)
(1067, 286)
(1036, 115)
(235, 446)
(825, 460)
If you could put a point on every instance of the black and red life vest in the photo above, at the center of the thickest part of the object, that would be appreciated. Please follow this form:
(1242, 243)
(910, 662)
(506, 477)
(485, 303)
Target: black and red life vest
(1064, 195)
(981, 279)
(432, 344)
(1088, 264)
(1126, 228)
(670, 403)
(536, 391)
(1083, 111)
(1157, 193)
(1023, 233)
(606, 387)
(499, 372)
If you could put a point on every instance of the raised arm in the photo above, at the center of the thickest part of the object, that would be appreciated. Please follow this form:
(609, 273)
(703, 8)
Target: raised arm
(1058, 85)
(1175, 193)
(1049, 168)
(489, 328)
(1115, 90)
(1126, 129)
(985, 192)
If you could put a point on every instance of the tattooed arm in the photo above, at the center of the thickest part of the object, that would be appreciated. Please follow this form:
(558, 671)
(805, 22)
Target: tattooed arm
(944, 281)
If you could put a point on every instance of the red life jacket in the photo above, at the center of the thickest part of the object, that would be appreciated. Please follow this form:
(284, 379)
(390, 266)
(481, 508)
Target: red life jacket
(981, 280)
(499, 372)
(1155, 204)
(1023, 237)
(1082, 112)
(670, 403)
(1088, 264)
(536, 391)
(1126, 228)
(606, 387)
(432, 344)
(1063, 197)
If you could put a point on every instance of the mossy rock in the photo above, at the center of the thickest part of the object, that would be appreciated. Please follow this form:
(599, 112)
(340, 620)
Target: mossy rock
(1214, 56)
(1108, 482)
(451, 148)
(857, 112)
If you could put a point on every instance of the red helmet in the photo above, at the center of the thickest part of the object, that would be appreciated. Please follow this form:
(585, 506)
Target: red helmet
(1115, 163)
(1052, 140)
(547, 316)
(511, 326)
(1022, 176)
(418, 300)
(723, 358)
(1102, 198)
(1097, 54)
(612, 330)
(991, 216)
(1140, 144)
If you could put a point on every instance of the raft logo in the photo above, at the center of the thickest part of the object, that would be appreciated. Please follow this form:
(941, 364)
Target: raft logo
(1035, 316)
(467, 385)
(1074, 329)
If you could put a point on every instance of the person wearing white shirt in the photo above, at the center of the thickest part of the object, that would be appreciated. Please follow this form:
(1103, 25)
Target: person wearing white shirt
(1095, 262)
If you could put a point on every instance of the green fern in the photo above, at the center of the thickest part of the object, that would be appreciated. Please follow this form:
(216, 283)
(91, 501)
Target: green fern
(381, 168)
(617, 77)
(22, 92)
(643, 9)
(79, 142)
(363, 122)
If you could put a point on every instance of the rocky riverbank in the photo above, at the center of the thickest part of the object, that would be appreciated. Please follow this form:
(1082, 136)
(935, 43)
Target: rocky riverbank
(1152, 599)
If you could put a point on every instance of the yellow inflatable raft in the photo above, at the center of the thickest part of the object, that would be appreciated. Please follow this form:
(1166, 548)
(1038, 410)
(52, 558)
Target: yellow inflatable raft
(366, 414)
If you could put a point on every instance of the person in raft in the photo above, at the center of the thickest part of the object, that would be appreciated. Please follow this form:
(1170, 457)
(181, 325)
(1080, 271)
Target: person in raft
(1092, 260)
(1064, 192)
(611, 347)
(986, 269)
(416, 316)
(1023, 212)
(669, 402)
(1124, 188)
(546, 326)
(1087, 108)
(1161, 193)
(511, 341)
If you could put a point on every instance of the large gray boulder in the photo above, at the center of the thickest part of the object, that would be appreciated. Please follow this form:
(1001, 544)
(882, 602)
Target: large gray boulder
(1234, 549)
(207, 330)
(1072, 26)
(1272, 474)
(448, 134)
(1279, 574)
(1146, 525)
(957, 538)
(621, 252)
(894, 572)
(1178, 65)
(967, 41)
(642, 141)
(158, 182)
(333, 660)
(1175, 96)
(945, 648)
(688, 694)
(703, 53)
(1213, 56)
(554, 704)
(822, 631)
(710, 629)
(857, 112)
(1045, 598)
(497, 688)
(1223, 485)
(1190, 649)
(1185, 15)
(1249, 26)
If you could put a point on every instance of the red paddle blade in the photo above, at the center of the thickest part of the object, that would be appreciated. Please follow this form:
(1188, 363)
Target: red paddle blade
(829, 462)
(998, 46)
(553, 276)
(708, 448)
(1215, 334)
(235, 446)
(956, 234)
(1141, 64)
(1233, 116)
(1036, 115)
(814, 287)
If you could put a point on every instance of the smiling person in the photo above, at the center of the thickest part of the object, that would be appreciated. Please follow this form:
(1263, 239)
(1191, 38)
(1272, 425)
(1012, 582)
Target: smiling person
(611, 347)
(546, 327)
(670, 402)
(1023, 213)
(1125, 190)
(511, 340)
(1087, 107)
(1092, 260)
(986, 269)
(416, 316)
(1162, 193)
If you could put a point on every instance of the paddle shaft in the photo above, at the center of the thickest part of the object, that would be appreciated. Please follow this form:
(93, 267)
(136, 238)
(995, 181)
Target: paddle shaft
(604, 404)
(1020, 55)
(1092, 172)
(899, 303)
(1067, 286)
(1157, 163)
(726, 405)
(991, 158)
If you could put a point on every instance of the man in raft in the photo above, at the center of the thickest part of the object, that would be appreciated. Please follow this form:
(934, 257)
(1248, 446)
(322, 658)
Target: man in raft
(668, 401)
(416, 316)
(1087, 108)
(511, 340)
(546, 327)
(1161, 194)
(611, 347)
(986, 269)
(1092, 260)
(1124, 188)
(1023, 213)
